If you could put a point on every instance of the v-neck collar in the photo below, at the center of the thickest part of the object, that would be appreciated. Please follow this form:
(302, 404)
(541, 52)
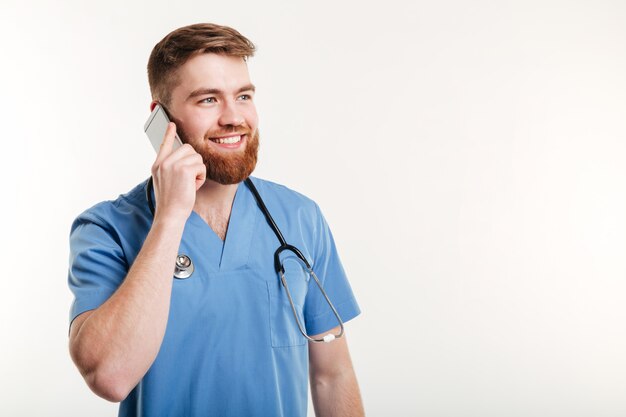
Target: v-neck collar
(233, 252)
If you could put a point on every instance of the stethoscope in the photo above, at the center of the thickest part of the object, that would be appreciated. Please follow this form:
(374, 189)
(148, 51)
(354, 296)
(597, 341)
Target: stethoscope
(184, 266)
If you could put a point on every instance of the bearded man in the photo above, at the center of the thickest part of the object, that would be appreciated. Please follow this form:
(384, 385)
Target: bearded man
(228, 339)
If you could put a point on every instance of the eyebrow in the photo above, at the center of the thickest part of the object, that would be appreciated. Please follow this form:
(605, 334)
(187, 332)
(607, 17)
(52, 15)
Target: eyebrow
(217, 91)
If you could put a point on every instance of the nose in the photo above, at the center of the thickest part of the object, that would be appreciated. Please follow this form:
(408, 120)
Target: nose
(230, 115)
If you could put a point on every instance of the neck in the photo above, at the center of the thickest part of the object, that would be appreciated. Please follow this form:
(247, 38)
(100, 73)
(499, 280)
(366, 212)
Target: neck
(213, 196)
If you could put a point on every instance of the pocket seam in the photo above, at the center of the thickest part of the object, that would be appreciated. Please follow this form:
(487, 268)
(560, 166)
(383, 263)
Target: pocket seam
(275, 304)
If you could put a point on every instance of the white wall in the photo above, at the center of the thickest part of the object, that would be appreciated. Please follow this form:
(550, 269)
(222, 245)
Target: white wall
(469, 156)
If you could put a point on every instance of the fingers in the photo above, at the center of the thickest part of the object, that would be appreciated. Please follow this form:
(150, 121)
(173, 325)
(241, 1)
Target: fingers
(168, 143)
(200, 176)
(178, 174)
(191, 159)
(195, 164)
(183, 162)
(185, 155)
(168, 158)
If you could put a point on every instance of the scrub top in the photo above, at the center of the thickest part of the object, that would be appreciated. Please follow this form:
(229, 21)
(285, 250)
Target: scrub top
(232, 346)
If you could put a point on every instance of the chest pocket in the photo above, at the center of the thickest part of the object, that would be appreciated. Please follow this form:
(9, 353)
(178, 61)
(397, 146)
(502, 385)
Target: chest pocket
(283, 326)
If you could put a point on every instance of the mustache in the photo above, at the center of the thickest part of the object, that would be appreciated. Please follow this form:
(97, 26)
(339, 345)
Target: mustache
(234, 130)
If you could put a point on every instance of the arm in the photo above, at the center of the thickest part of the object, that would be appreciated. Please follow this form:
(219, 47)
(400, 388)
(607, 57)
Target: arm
(334, 388)
(114, 345)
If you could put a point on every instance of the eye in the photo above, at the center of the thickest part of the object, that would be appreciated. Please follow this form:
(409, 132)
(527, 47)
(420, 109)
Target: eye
(245, 97)
(208, 100)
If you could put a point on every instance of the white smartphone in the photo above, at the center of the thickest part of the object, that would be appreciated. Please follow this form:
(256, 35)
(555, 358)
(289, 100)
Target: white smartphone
(156, 126)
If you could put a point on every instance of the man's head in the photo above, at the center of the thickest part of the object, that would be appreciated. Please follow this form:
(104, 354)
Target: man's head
(198, 73)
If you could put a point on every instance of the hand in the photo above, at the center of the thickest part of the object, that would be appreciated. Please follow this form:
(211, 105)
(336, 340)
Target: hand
(177, 175)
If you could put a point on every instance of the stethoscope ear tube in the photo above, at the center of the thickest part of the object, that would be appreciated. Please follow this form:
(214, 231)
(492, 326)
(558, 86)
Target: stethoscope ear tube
(266, 212)
(149, 189)
(281, 270)
(279, 266)
(328, 337)
(184, 266)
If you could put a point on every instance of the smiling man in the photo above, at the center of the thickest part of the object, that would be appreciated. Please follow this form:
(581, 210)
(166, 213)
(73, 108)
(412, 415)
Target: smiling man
(226, 340)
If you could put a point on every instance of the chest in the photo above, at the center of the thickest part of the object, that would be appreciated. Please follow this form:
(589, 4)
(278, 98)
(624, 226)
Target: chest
(217, 221)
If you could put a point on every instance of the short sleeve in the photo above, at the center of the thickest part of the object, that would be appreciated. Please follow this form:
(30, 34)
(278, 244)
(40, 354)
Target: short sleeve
(318, 315)
(97, 265)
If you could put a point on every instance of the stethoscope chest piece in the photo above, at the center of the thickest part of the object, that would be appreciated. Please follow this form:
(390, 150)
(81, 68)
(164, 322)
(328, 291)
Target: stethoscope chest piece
(184, 267)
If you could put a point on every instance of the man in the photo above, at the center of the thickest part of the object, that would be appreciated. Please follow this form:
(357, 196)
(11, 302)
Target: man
(224, 341)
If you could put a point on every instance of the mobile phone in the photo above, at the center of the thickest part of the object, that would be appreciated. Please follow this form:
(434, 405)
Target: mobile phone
(156, 126)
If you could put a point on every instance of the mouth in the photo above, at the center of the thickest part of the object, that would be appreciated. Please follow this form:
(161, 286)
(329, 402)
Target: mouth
(232, 141)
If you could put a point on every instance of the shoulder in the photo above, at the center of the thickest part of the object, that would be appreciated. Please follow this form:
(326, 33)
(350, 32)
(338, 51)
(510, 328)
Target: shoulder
(128, 208)
(294, 212)
(286, 196)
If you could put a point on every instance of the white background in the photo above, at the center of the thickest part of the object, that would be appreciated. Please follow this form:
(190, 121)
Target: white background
(470, 158)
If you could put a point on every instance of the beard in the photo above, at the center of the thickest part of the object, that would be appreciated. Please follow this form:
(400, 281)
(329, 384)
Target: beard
(225, 167)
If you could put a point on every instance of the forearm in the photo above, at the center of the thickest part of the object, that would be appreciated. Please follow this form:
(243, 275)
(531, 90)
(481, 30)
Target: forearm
(118, 342)
(337, 395)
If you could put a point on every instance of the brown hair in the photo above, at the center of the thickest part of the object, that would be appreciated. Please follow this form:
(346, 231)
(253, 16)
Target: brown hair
(178, 46)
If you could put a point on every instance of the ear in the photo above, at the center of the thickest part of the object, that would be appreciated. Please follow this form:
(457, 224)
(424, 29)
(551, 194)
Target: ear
(153, 105)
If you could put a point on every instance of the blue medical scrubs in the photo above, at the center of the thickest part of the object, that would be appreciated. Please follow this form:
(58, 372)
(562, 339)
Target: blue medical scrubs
(232, 346)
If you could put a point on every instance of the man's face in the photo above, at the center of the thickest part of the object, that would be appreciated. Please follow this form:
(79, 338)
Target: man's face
(214, 112)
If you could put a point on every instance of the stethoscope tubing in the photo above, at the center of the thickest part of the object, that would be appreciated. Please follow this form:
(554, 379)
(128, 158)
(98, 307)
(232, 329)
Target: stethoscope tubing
(284, 246)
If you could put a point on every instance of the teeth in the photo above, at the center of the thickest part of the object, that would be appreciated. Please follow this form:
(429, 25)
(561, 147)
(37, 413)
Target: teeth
(230, 140)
